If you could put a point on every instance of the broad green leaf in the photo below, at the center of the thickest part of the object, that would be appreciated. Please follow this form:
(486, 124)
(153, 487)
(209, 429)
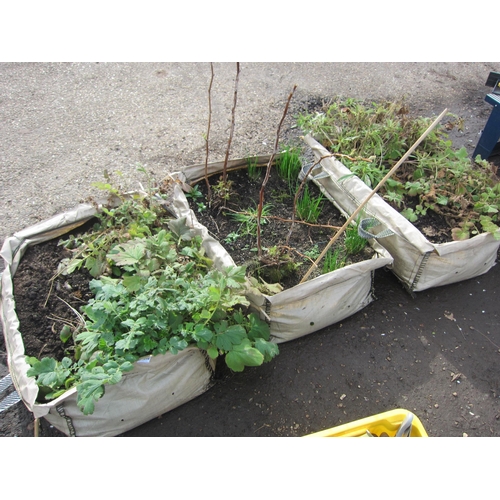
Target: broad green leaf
(177, 344)
(132, 283)
(442, 200)
(65, 333)
(203, 333)
(213, 352)
(258, 328)
(244, 355)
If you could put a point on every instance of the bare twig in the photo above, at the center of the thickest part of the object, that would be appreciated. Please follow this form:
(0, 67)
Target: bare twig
(233, 113)
(77, 314)
(268, 172)
(487, 338)
(379, 185)
(297, 252)
(209, 192)
(275, 217)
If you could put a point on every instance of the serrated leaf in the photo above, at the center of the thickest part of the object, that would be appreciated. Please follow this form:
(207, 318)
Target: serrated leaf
(409, 214)
(95, 266)
(460, 234)
(180, 229)
(88, 392)
(488, 225)
(127, 254)
(128, 342)
(268, 349)
(132, 283)
(68, 266)
(232, 336)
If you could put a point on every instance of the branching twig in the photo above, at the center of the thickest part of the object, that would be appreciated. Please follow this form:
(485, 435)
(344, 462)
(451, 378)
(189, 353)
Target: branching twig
(275, 217)
(268, 172)
(297, 252)
(487, 338)
(233, 113)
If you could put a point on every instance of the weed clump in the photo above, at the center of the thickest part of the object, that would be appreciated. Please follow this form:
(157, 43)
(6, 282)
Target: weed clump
(369, 139)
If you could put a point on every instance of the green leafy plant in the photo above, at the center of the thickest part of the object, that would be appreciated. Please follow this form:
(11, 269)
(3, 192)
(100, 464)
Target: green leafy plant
(195, 193)
(308, 206)
(369, 138)
(289, 165)
(248, 219)
(154, 291)
(254, 172)
(333, 260)
(353, 242)
(231, 237)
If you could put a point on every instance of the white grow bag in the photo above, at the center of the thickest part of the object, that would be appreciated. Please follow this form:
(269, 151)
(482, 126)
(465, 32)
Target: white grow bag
(156, 385)
(418, 263)
(304, 308)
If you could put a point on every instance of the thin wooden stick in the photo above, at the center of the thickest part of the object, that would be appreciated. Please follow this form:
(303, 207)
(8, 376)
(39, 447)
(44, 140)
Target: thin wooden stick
(233, 112)
(379, 185)
(209, 192)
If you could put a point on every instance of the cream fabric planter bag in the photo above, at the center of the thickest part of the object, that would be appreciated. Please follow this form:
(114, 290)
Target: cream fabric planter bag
(418, 263)
(304, 308)
(156, 385)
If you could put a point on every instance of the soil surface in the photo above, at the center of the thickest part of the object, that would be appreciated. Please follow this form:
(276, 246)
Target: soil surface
(289, 244)
(436, 353)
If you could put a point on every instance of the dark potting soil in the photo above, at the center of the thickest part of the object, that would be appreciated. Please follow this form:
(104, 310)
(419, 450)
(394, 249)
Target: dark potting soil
(289, 245)
(46, 301)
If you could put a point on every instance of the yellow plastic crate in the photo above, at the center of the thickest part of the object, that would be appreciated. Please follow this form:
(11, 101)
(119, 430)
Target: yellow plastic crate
(382, 425)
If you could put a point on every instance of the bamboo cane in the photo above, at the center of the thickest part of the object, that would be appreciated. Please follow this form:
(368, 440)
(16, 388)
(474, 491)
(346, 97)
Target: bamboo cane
(379, 185)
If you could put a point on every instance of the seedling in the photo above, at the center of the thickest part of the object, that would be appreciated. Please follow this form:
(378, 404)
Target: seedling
(333, 260)
(308, 206)
(289, 165)
(254, 172)
(353, 242)
(195, 193)
(248, 219)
